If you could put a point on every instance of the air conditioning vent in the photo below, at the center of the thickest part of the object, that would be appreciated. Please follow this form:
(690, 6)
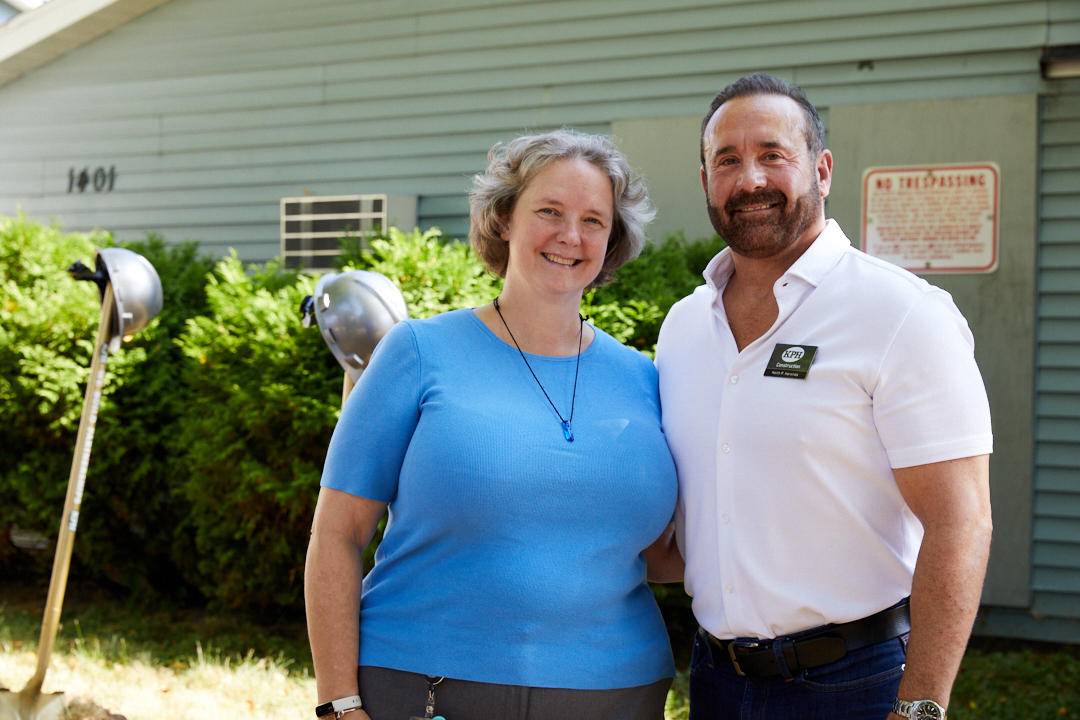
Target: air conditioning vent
(311, 227)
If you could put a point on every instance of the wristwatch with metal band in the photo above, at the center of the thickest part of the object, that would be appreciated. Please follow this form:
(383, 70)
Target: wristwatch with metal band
(918, 709)
(339, 707)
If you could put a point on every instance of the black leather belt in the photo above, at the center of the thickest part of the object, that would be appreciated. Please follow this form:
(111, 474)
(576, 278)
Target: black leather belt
(821, 646)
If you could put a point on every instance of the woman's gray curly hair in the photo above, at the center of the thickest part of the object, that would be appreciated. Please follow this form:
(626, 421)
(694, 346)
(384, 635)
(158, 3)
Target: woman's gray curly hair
(513, 166)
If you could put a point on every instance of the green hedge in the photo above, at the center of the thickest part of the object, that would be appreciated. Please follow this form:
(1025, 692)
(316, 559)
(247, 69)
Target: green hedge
(216, 418)
(47, 327)
(132, 508)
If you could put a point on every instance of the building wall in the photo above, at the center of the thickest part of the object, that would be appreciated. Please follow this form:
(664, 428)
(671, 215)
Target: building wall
(1056, 556)
(1054, 612)
(999, 306)
(211, 110)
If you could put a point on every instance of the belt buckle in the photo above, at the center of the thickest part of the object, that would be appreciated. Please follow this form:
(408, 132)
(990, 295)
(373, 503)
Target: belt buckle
(731, 653)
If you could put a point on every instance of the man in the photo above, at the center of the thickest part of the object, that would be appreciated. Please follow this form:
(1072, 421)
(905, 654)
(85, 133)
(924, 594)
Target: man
(831, 433)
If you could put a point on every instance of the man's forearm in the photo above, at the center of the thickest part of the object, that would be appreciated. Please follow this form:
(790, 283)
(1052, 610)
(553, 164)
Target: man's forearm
(944, 600)
(952, 500)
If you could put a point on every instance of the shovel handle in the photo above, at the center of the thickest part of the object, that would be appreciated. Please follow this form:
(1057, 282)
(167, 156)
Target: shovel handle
(346, 388)
(76, 480)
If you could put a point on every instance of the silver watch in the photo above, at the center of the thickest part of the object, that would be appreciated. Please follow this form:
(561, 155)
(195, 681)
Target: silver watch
(918, 709)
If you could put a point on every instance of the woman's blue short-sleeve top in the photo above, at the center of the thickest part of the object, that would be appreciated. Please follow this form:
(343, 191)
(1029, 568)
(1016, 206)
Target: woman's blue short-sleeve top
(510, 555)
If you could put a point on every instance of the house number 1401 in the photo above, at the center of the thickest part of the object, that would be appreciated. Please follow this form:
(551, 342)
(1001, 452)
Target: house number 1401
(101, 179)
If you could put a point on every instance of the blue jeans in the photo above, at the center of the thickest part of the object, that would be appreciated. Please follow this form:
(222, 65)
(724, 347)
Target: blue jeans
(860, 686)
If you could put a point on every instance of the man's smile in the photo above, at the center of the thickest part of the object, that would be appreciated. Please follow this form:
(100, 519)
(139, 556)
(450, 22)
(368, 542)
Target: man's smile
(760, 202)
(756, 208)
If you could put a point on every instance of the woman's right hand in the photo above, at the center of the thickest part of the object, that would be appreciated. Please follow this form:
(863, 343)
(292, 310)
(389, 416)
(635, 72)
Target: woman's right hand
(664, 562)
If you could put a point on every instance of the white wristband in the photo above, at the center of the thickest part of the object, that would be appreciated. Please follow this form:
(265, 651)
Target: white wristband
(339, 707)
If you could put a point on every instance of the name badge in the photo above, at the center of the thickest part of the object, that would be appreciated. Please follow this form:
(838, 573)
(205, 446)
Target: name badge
(791, 361)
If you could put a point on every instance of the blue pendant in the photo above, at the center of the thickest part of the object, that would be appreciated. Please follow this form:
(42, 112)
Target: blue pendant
(567, 432)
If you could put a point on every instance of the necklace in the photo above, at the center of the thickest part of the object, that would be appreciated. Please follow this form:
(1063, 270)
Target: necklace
(568, 432)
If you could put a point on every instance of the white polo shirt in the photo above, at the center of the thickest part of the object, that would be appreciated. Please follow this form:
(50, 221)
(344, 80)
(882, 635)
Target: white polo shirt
(789, 516)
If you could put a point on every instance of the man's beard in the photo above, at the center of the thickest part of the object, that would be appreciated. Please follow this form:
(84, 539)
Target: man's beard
(765, 237)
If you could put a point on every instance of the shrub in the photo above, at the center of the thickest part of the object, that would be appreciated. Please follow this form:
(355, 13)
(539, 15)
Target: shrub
(433, 276)
(47, 328)
(132, 508)
(637, 302)
(46, 337)
(264, 397)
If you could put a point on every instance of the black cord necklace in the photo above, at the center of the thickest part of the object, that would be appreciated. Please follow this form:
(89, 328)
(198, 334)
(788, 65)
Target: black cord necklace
(568, 433)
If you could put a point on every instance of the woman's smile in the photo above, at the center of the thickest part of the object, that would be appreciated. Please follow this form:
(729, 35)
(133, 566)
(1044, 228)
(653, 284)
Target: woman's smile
(559, 259)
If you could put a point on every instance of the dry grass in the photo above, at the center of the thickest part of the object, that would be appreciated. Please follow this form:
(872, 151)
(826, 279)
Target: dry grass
(209, 685)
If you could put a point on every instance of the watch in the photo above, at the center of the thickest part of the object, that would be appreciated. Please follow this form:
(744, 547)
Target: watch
(338, 708)
(918, 709)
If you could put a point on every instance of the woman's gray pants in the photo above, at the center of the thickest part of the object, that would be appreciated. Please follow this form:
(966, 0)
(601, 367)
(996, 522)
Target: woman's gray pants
(397, 695)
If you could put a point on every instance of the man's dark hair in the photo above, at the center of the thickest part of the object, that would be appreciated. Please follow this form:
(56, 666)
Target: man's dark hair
(762, 84)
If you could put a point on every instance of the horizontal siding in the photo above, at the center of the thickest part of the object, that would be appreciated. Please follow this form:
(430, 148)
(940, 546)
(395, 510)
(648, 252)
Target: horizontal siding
(1064, 256)
(1057, 480)
(204, 126)
(1064, 17)
(211, 110)
(448, 24)
(1057, 605)
(449, 213)
(1058, 330)
(1060, 504)
(1056, 530)
(1066, 555)
(1056, 549)
(1058, 580)
(557, 33)
(1051, 618)
(1058, 355)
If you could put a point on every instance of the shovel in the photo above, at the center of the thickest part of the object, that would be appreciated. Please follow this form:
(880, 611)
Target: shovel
(354, 310)
(140, 302)
(30, 703)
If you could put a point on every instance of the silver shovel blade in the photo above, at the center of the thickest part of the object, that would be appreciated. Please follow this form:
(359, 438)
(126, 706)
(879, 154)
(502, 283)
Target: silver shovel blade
(16, 706)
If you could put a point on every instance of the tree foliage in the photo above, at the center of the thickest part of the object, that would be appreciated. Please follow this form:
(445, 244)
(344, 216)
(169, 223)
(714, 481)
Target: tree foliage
(433, 275)
(264, 398)
(47, 327)
(48, 323)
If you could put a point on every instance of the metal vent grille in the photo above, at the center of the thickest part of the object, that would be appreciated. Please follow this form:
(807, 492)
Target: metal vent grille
(311, 227)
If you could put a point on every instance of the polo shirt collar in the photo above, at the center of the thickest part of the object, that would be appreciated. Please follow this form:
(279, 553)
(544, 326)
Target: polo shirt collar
(822, 255)
(814, 264)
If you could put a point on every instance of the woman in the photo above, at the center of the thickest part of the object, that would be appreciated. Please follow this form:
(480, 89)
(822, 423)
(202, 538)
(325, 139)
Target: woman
(519, 450)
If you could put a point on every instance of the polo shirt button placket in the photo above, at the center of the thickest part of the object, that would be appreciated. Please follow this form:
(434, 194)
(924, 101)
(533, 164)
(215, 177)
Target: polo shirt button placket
(724, 566)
